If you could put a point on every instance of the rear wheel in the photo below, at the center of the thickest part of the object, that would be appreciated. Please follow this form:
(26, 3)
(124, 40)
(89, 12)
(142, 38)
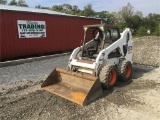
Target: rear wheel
(125, 70)
(108, 76)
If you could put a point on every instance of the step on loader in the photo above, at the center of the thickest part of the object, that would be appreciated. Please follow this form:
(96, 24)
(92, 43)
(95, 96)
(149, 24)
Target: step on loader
(104, 57)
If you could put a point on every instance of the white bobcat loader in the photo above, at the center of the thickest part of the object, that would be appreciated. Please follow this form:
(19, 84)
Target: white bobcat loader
(104, 57)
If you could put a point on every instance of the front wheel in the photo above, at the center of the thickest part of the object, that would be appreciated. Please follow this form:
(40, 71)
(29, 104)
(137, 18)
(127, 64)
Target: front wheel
(108, 76)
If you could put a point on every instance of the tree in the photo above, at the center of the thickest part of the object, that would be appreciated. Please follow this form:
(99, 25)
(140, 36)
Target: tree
(107, 18)
(38, 6)
(134, 22)
(126, 17)
(88, 11)
(75, 10)
(4, 2)
(125, 14)
(152, 21)
(58, 8)
(67, 8)
(142, 31)
(112, 18)
(22, 3)
(102, 14)
(139, 14)
(157, 31)
(13, 2)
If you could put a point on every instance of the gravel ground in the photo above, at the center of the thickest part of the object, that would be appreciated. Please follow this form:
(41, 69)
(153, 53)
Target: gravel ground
(136, 99)
(34, 71)
(22, 98)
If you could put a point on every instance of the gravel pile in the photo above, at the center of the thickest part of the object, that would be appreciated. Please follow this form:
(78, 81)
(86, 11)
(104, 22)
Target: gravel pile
(146, 50)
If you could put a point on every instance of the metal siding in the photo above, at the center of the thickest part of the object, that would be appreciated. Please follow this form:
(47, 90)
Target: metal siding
(63, 33)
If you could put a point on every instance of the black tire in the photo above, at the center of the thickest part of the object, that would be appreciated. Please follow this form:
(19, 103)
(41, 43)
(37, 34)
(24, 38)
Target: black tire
(108, 76)
(125, 70)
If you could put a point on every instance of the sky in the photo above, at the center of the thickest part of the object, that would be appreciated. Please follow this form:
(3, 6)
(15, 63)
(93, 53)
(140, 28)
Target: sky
(145, 6)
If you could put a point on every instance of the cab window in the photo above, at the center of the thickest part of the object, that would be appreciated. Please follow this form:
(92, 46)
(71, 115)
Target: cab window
(112, 35)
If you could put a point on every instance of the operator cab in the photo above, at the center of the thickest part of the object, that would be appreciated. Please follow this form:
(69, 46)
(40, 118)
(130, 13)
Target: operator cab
(97, 38)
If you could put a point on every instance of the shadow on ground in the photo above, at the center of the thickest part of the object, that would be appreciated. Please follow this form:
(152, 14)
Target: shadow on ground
(117, 94)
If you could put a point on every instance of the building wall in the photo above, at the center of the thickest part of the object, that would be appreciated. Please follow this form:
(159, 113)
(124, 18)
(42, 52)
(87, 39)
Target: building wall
(63, 33)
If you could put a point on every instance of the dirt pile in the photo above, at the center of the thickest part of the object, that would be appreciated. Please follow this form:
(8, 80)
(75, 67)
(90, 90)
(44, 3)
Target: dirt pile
(146, 50)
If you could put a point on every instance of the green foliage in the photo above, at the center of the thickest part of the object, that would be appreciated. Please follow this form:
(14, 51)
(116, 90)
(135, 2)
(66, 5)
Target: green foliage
(157, 31)
(19, 3)
(125, 17)
(128, 18)
(152, 22)
(107, 18)
(134, 22)
(22, 3)
(126, 12)
(4, 2)
(38, 6)
(74, 10)
(88, 11)
(13, 2)
(142, 31)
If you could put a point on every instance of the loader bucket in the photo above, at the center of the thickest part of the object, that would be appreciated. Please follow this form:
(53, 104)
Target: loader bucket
(76, 87)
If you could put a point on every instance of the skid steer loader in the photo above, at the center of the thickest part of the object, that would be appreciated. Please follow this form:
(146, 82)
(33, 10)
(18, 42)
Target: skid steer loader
(104, 57)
